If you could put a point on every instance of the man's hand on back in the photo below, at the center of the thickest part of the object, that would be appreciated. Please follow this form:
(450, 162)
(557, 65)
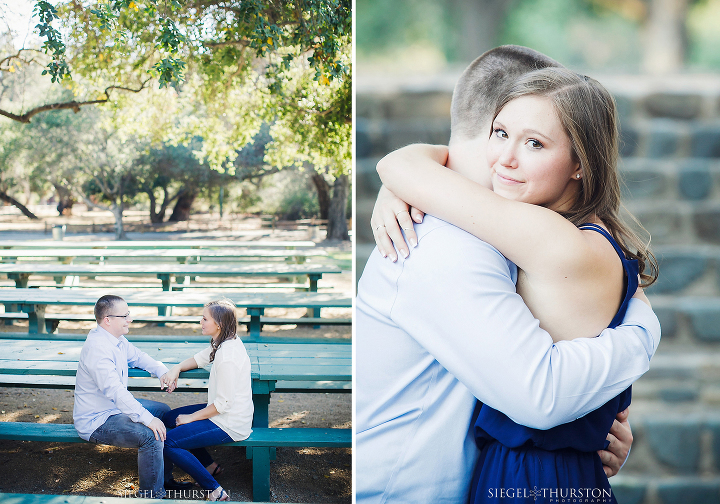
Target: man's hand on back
(158, 428)
(621, 439)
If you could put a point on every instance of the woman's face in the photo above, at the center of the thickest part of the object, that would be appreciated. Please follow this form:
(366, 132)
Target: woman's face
(208, 324)
(530, 155)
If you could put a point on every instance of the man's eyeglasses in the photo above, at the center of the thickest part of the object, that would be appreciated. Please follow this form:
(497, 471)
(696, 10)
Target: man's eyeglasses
(126, 316)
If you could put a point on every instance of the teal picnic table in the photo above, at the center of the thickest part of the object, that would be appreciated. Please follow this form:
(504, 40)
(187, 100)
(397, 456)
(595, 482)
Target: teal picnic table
(21, 272)
(34, 301)
(182, 255)
(153, 244)
(53, 364)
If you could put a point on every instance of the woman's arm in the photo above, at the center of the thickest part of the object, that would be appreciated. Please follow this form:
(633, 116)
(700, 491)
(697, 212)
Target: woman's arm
(171, 377)
(203, 414)
(533, 237)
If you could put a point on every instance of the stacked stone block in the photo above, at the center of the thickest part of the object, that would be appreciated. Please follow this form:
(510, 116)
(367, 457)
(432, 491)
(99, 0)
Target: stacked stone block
(670, 168)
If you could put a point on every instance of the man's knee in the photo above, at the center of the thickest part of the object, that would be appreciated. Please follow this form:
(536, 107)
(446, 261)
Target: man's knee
(147, 439)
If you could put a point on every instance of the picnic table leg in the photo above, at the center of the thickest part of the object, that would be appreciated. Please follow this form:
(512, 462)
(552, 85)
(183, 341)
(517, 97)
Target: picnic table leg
(36, 318)
(165, 279)
(162, 311)
(21, 279)
(255, 327)
(261, 456)
(313, 288)
(261, 401)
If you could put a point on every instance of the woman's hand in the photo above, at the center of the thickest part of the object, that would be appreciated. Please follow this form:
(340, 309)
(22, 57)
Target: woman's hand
(389, 215)
(183, 419)
(169, 379)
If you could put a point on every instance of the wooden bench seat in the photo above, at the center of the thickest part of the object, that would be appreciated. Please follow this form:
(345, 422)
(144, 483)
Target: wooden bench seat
(260, 445)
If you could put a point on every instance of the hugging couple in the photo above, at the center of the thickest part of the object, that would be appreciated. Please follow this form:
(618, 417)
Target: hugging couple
(497, 337)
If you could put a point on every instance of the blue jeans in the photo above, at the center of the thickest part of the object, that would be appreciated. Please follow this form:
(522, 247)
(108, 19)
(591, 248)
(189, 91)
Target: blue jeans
(119, 430)
(185, 446)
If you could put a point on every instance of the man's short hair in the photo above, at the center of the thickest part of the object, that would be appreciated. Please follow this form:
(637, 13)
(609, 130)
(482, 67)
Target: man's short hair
(104, 306)
(484, 81)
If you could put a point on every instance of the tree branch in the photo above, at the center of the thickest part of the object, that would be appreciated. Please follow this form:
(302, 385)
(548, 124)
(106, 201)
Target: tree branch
(74, 105)
(17, 56)
(6, 197)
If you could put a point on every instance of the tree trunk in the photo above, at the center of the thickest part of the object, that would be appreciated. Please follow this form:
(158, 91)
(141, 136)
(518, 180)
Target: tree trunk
(337, 223)
(153, 214)
(323, 192)
(65, 200)
(117, 211)
(665, 36)
(6, 197)
(181, 212)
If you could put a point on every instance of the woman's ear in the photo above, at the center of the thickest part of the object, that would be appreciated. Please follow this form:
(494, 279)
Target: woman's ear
(577, 174)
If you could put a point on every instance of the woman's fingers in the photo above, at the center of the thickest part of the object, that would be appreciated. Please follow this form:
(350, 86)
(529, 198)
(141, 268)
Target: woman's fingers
(392, 228)
(417, 215)
(408, 226)
(383, 242)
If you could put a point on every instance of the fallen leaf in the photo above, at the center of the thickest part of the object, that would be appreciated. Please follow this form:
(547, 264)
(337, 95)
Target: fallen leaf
(54, 409)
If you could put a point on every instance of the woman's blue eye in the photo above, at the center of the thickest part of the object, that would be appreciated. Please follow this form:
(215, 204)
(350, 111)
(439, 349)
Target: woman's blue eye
(535, 144)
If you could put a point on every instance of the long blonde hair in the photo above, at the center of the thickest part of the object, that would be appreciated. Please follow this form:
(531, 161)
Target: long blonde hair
(587, 112)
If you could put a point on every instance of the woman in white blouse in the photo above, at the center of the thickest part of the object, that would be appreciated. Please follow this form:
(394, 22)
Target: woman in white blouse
(228, 414)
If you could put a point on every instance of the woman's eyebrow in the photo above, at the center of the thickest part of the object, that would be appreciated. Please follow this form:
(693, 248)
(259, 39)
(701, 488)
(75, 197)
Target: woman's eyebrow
(536, 132)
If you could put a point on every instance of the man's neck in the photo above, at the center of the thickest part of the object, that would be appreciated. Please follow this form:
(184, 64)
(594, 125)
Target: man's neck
(467, 156)
(108, 331)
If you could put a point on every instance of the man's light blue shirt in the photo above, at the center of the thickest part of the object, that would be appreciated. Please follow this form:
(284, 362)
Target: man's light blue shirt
(445, 326)
(102, 378)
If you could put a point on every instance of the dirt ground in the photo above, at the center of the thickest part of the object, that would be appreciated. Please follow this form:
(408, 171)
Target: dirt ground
(298, 475)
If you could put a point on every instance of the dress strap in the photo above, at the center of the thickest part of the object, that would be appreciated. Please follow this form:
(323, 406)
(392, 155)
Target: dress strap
(601, 230)
(631, 267)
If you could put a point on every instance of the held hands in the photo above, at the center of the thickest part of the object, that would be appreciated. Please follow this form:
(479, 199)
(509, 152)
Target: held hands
(621, 439)
(169, 379)
(390, 214)
(158, 428)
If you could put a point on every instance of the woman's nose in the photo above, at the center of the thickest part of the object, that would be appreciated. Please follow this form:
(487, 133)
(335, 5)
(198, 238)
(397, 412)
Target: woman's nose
(507, 156)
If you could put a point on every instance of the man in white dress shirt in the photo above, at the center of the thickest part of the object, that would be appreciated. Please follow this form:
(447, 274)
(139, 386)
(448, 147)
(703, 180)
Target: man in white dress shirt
(105, 411)
(438, 329)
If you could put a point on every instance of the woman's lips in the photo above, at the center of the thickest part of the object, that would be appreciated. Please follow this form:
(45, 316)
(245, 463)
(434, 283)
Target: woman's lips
(507, 180)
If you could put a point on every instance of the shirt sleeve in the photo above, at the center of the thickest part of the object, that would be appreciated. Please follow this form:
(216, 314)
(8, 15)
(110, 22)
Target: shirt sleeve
(228, 376)
(136, 358)
(455, 296)
(202, 358)
(105, 375)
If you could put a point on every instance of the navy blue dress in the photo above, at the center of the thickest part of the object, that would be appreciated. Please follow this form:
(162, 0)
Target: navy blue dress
(518, 464)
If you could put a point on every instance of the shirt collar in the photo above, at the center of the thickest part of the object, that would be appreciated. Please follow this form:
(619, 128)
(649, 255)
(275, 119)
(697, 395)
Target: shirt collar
(101, 331)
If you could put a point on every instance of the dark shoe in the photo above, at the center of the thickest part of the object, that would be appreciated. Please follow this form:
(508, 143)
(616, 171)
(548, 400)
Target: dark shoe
(178, 485)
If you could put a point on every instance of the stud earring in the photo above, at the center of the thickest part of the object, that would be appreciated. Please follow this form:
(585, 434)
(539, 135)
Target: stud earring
(577, 176)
